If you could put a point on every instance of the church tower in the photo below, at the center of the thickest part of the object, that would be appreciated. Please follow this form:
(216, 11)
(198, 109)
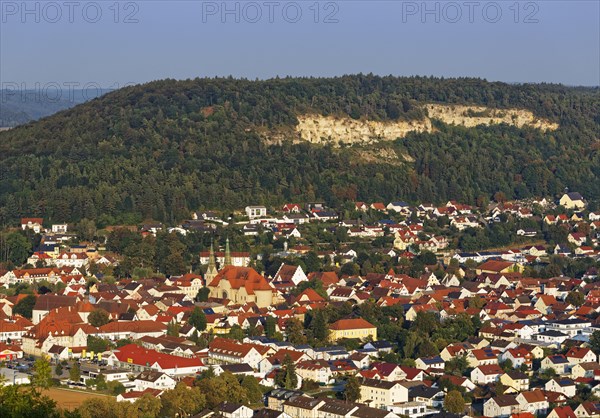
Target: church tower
(211, 272)
(227, 261)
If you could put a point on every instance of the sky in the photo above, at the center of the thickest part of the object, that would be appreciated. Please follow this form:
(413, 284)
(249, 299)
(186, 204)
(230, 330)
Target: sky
(110, 44)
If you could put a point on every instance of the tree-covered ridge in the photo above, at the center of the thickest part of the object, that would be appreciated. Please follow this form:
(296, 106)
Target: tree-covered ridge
(164, 148)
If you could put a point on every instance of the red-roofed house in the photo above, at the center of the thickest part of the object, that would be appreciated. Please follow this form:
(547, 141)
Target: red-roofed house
(387, 371)
(134, 395)
(378, 206)
(562, 412)
(289, 273)
(134, 357)
(533, 401)
(32, 223)
(497, 267)
(486, 374)
(317, 370)
(308, 296)
(328, 278)
(577, 355)
(588, 410)
(518, 356)
(222, 350)
(118, 330)
(10, 352)
(11, 330)
(291, 208)
(277, 359)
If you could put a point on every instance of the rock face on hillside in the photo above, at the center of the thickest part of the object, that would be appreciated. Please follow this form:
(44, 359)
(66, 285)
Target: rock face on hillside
(471, 116)
(338, 131)
(321, 129)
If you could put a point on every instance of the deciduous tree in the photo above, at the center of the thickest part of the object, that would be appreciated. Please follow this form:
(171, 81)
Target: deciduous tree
(252, 387)
(98, 317)
(182, 401)
(25, 306)
(75, 372)
(595, 342)
(42, 374)
(149, 406)
(352, 389)
(202, 295)
(454, 402)
(575, 298)
(286, 377)
(198, 319)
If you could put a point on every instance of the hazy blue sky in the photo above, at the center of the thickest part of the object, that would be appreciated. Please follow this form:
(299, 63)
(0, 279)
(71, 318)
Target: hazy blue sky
(551, 41)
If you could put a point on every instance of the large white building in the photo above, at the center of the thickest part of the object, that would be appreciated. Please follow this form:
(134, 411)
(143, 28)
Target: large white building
(254, 212)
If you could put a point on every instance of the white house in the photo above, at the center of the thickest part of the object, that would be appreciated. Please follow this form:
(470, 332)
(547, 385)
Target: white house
(288, 273)
(562, 385)
(570, 327)
(502, 406)
(380, 393)
(551, 337)
(558, 362)
(572, 200)
(533, 401)
(254, 212)
(153, 380)
(59, 228)
(228, 352)
(72, 260)
(34, 224)
(485, 374)
(577, 355)
(425, 363)
(233, 410)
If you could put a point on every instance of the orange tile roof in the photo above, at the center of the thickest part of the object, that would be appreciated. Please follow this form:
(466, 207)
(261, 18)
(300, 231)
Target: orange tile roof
(311, 295)
(533, 396)
(279, 356)
(490, 369)
(564, 412)
(25, 221)
(139, 355)
(347, 324)
(577, 352)
(230, 347)
(133, 326)
(239, 277)
(494, 265)
(328, 278)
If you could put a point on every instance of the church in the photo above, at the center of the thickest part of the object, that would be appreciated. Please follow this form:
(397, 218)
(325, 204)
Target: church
(238, 284)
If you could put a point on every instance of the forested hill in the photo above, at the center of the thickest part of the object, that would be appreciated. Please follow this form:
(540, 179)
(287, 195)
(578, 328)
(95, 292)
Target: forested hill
(164, 148)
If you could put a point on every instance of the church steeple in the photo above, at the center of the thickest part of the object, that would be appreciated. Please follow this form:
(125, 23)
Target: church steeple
(227, 261)
(211, 271)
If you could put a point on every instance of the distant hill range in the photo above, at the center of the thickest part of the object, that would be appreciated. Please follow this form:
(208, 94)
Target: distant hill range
(21, 106)
(163, 149)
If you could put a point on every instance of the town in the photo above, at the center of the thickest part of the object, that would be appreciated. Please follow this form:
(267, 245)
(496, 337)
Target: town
(372, 309)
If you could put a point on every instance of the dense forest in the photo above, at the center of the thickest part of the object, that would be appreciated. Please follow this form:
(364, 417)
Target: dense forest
(159, 150)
